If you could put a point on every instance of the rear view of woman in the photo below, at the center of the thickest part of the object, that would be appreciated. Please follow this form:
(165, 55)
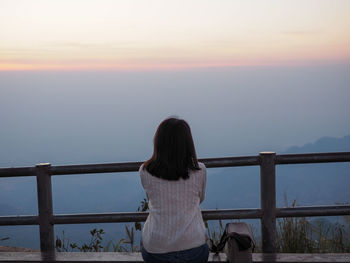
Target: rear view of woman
(174, 182)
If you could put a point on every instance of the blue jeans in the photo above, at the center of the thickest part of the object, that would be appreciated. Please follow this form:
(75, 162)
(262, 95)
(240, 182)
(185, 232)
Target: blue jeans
(193, 255)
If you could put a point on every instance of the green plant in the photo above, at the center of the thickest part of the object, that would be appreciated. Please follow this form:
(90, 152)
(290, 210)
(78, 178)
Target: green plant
(116, 247)
(294, 235)
(214, 234)
(63, 244)
(142, 208)
(302, 235)
(95, 245)
(130, 233)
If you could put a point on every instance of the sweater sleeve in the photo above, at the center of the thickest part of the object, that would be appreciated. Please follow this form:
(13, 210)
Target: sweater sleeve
(143, 180)
(204, 182)
(142, 177)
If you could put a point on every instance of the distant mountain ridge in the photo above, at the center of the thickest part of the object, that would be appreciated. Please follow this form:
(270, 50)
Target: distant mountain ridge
(324, 144)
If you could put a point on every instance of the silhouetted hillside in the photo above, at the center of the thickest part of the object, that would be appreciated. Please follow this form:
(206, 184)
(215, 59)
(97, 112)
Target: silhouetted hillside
(324, 144)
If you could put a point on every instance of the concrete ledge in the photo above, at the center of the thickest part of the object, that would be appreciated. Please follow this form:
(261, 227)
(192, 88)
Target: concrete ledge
(17, 249)
(136, 257)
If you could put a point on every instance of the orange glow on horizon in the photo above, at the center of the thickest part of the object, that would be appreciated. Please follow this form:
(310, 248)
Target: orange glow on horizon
(111, 67)
(166, 66)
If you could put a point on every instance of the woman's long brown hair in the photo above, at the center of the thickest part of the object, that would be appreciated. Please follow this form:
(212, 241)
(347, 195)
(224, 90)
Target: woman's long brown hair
(174, 154)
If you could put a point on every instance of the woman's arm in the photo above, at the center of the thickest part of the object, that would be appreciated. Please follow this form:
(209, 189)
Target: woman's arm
(204, 183)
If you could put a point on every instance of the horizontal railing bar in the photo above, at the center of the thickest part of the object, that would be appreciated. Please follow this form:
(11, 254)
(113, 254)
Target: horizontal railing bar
(124, 217)
(142, 216)
(306, 211)
(17, 172)
(96, 168)
(18, 220)
(134, 166)
(230, 161)
(312, 158)
(209, 162)
(218, 214)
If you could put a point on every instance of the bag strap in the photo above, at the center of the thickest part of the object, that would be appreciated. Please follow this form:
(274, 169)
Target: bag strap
(244, 242)
(220, 246)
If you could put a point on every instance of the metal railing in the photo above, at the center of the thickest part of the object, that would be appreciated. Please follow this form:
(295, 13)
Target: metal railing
(267, 213)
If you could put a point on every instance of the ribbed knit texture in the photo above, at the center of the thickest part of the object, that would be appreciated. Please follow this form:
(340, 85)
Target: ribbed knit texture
(175, 221)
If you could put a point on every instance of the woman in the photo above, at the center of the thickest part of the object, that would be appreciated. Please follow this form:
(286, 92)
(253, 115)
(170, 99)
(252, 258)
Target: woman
(174, 182)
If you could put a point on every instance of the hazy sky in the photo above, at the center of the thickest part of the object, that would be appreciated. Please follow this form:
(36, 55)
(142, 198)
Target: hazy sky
(80, 117)
(247, 75)
(158, 34)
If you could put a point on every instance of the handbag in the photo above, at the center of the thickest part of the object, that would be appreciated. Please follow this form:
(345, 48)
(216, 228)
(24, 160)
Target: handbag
(238, 242)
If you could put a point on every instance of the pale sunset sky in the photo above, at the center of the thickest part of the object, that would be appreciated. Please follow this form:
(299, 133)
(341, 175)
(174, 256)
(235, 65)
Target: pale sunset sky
(161, 34)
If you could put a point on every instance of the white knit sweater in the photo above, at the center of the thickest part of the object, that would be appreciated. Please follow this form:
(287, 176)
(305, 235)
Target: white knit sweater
(175, 221)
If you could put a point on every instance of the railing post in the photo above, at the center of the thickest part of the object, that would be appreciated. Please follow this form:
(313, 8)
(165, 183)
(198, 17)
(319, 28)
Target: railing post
(268, 201)
(43, 179)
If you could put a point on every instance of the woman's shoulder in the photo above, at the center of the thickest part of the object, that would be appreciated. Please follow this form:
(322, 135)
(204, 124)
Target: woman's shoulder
(144, 176)
(202, 170)
(201, 166)
(143, 169)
